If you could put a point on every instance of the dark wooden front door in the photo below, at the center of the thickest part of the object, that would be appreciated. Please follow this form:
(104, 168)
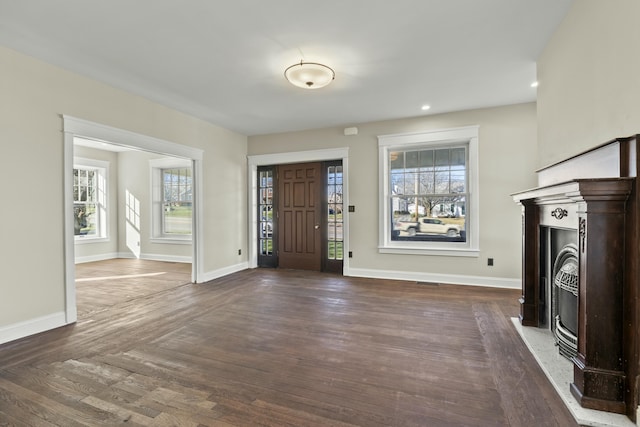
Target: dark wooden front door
(299, 216)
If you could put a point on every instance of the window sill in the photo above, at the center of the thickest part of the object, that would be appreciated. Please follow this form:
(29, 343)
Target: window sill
(172, 240)
(454, 252)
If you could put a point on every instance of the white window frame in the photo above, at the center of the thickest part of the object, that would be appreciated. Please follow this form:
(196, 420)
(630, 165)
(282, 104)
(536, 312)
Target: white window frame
(157, 201)
(441, 138)
(102, 169)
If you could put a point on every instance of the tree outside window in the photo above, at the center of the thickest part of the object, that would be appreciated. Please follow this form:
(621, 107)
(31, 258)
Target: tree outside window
(428, 183)
(429, 192)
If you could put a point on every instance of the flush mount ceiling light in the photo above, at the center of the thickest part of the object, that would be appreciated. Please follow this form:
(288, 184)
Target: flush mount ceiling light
(309, 75)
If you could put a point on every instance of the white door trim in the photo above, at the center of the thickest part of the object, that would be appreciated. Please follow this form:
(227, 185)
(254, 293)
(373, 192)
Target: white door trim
(73, 127)
(293, 157)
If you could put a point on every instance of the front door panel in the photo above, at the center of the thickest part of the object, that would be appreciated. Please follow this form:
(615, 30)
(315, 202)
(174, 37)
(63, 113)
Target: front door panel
(299, 221)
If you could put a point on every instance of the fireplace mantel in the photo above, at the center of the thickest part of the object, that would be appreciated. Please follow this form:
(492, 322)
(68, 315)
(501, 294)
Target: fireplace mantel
(599, 203)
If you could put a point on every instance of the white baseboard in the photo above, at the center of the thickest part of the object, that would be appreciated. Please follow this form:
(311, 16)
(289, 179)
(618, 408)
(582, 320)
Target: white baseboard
(157, 257)
(31, 327)
(211, 275)
(92, 258)
(166, 258)
(454, 279)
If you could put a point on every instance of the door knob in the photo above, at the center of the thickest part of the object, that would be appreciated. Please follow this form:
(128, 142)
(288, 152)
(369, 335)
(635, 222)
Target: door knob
(317, 226)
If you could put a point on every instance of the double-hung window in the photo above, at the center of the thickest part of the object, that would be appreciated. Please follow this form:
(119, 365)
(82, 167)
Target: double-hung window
(89, 200)
(172, 199)
(429, 197)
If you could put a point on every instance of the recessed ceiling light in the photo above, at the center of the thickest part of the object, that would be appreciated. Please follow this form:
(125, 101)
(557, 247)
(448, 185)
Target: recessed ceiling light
(534, 84)
(425, 107)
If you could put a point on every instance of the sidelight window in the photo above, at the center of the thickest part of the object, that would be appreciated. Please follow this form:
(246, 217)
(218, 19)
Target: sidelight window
(265, 214)
(335, 240)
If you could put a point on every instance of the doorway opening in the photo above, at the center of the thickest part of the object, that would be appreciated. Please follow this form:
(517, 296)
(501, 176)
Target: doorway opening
(265, 233)
(300, 216)
(133, 215)
(125, 236)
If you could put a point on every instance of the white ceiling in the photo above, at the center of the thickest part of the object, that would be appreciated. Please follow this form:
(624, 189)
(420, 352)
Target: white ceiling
(223, 60)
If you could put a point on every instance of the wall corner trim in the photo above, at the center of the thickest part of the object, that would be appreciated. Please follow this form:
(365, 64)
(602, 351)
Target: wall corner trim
(225, 271)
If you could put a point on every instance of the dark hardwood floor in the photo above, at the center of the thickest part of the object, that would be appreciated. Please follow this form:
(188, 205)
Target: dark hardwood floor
(281, 348)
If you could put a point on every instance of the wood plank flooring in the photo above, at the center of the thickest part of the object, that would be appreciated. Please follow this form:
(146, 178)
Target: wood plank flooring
(282, 348)
(105, 283)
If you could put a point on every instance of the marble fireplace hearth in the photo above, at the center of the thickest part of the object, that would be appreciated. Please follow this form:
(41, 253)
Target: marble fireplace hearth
(559, 371)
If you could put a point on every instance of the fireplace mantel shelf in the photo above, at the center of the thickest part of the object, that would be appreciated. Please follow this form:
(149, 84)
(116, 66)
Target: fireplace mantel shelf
(577, 190)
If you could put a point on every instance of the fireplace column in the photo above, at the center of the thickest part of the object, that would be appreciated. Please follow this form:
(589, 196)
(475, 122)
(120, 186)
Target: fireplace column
(529, 302)
(599, 372)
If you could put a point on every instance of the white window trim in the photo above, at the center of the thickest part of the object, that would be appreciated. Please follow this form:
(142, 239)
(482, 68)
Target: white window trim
(103, 170)
(156, 167)
(387, 143)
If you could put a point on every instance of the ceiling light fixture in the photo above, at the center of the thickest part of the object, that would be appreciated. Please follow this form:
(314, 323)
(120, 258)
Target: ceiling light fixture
(535, 84)
(309, 75)
(426, 107)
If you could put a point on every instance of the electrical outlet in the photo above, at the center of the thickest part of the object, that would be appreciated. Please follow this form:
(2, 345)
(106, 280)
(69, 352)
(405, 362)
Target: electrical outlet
(239, 251)
(490, 262)
(350, 254)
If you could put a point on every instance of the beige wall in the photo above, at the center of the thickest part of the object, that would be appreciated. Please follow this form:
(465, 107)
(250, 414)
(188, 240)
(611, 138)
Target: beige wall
(589, 79)
(135, 176)
(128, 170)
(33, 95)
(507, 153)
